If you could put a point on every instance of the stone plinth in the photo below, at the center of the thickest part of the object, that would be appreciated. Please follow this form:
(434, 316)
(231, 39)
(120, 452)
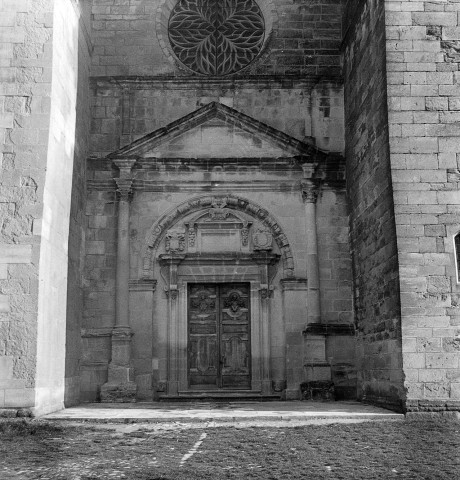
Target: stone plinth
(120, 386)
(118, 392)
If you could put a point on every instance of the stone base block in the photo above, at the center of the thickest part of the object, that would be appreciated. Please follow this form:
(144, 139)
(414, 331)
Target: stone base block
(318, 373)
(120, 374)
(319, 391)
(173, 388)
(292, 394)
(15, 412)
(423, 416)
(118, 392)
(266, 387)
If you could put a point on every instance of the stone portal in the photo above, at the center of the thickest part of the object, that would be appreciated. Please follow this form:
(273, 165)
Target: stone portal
(218, 267)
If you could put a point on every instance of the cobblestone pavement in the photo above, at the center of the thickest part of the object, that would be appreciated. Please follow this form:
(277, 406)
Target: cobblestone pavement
(69, 450)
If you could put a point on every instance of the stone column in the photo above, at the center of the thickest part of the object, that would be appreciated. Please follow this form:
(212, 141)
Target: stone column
(120, 386)
(315, 362)
(309, 196)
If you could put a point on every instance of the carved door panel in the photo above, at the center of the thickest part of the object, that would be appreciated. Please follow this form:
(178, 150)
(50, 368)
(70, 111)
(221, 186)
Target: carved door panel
(203, 351)
(219, 352)
(235, 350)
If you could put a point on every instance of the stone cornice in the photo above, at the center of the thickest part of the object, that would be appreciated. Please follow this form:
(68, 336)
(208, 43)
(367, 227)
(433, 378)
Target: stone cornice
(332, 166)
(174, 82)
(220, 258)
(220, 187)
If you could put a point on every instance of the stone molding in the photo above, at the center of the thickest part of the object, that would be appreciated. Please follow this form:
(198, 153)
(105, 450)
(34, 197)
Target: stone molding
(338, 329)
(159, 229)
(435, 405)
(173, 82)
(294, 284)
(142, 285)
(142, 185)
(96, 332)
(122, 332)
(260, 258)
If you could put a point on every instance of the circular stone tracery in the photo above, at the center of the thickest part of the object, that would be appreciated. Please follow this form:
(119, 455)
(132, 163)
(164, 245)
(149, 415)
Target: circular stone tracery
(216, 37)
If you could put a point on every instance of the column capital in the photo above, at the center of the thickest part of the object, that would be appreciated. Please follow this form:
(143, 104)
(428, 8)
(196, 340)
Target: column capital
(266, 291)
(125, 180)
(124, 188)
(310, 191)
(125, 165)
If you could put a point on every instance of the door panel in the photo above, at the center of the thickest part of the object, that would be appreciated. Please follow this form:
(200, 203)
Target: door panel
(203, 355)
(234, 336)
(219, 350)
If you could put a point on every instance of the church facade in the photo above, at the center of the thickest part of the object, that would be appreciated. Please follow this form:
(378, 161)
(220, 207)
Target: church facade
(254, 199)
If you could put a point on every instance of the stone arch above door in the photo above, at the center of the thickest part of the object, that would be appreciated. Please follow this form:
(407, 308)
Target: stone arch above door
(231, 202)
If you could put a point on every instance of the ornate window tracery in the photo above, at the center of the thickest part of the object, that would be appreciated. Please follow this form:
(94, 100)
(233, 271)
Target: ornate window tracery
(216, 37)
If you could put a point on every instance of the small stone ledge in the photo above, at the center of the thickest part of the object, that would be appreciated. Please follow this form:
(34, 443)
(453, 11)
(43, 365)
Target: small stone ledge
(16, 413)
(329, 329)
(423, 416)
(432, 406)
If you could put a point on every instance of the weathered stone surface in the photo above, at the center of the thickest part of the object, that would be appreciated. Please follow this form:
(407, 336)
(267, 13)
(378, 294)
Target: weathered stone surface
(36, 159)
(426, 63)
(399, 90)
(373, 233)
(118, 392)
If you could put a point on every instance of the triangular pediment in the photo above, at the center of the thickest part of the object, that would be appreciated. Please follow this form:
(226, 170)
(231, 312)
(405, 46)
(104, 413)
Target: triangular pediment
(216, 131)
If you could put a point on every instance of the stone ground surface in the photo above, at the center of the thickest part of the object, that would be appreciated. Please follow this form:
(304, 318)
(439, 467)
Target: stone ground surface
(275, 449)
(224, 412)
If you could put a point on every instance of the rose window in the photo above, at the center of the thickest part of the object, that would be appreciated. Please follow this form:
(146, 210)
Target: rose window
(216, 37)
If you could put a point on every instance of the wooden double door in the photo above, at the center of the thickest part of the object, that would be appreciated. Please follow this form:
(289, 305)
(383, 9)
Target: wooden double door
(219, 336)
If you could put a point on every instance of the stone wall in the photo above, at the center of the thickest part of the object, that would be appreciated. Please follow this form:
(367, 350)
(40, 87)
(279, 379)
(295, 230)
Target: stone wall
(38, 93)
(130, 38)
(25, 102)
(307, 109)
(373, 235)
(77, 212)
(423, 55)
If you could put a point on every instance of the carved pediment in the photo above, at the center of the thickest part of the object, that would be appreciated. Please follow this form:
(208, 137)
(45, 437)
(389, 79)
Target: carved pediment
(217, 131)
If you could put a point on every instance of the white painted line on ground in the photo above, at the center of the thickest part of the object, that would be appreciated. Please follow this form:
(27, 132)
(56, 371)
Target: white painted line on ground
(193, 450)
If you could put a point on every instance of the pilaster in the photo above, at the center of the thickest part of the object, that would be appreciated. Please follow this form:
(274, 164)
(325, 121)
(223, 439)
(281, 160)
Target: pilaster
(294, 307)
(172, 293)
(120, 386)
(315, 362)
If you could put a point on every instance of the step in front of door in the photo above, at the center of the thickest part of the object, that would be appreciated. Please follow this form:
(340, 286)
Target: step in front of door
(220, 396)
